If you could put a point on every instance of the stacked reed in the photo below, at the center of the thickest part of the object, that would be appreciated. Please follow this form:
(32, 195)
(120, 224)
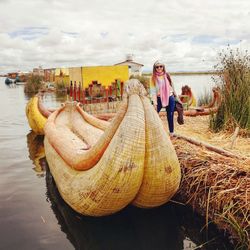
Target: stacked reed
(217, 187)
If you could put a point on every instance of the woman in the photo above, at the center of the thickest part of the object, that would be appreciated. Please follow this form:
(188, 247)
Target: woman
(162, 93)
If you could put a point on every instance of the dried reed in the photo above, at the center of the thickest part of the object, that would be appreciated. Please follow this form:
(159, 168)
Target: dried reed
(217, 187)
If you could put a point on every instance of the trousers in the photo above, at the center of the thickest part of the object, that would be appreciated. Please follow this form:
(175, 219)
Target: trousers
(169, 110)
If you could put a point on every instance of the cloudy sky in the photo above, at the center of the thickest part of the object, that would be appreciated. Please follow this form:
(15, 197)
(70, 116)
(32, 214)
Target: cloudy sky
(186, 34)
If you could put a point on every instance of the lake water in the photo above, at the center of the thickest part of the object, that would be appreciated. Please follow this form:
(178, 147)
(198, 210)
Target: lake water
(33, 215)
(198, 83)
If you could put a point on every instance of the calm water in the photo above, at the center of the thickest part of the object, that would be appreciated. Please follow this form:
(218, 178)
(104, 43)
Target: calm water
(33, 215)
(198, 83)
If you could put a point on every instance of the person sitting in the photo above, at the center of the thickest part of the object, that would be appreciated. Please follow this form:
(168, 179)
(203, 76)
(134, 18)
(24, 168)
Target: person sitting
(187, 96)
(216, 100)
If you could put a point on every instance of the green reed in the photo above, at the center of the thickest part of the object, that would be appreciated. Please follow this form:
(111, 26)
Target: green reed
(234, 111)
(204, 98)
(33, 84)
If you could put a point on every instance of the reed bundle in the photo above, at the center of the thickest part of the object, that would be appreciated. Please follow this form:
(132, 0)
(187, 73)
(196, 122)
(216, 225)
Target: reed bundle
(217, 187)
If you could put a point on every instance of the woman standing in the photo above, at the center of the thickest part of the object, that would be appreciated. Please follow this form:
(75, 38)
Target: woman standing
(162, 93)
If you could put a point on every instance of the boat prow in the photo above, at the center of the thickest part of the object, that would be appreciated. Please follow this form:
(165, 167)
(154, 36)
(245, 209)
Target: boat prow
(37, 114)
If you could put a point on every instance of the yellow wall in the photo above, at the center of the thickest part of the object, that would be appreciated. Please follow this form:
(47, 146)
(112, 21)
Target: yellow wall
(52, 75)
(75, 74)
(104, 74)
(64, 77)
(65, 71)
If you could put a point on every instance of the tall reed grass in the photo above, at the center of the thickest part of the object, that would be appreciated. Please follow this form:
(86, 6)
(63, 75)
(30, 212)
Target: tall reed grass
(205, 98)
(34, 83)
(234, 111)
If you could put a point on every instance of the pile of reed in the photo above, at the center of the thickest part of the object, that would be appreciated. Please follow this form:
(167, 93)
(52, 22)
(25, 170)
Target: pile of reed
(217, 187)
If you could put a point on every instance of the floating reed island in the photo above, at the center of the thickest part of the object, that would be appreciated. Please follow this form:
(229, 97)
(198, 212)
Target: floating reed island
(217, 187)
(100, 167)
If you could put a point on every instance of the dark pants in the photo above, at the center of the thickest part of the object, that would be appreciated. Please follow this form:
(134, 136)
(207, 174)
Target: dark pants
(169, 110)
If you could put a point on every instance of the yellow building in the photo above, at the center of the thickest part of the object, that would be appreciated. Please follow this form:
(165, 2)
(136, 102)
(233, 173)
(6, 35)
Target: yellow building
(62, 75)
(52, 75)
(104, 75)
(75, 75)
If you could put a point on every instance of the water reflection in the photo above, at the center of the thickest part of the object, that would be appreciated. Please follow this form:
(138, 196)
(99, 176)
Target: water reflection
(36, 152)
(168, 227)
(131, 228)
(50, 98)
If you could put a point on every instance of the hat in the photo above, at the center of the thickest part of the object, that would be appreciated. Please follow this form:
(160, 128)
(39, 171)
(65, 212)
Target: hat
(158, 62)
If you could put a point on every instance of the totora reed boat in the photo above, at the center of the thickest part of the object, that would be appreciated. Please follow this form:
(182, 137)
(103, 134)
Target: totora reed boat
(100, 167)
(37, 114)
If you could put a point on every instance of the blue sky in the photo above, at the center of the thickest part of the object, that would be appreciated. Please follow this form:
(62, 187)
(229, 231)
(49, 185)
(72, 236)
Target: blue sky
(187, 35)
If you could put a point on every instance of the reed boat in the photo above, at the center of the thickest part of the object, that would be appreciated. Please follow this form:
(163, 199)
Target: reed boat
(196, 111)
(100, 167)
(9, 81)
(37, 114)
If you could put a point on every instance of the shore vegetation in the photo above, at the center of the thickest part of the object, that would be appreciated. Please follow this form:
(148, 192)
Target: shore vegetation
(234, 82)
(34, 84)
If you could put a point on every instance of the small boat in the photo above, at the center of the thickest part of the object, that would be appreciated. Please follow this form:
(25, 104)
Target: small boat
(37, 114)
(9, 81)
(100, 167)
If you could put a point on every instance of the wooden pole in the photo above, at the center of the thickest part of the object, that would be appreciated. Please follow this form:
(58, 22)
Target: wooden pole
(83, 96)
(122, 84)
(209, 146)
(107, 94)
(74, 92)
(71, 90)
(79, 92)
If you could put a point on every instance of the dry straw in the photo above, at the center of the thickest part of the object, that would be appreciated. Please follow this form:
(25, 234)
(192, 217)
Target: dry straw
(217, 187)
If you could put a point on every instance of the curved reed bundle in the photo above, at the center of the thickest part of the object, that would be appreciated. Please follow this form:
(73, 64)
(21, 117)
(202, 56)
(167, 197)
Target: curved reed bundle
(218, 187)
(101, 167)
(37, 115)
(161, 174)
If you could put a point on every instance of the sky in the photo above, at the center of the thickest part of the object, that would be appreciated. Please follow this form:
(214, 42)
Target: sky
(186, 35)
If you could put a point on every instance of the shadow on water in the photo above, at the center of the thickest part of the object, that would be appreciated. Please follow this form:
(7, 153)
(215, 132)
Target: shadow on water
(37, 153)
(171, 226)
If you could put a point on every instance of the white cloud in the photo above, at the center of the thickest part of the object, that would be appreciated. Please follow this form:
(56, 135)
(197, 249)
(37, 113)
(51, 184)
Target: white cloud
(187, 35)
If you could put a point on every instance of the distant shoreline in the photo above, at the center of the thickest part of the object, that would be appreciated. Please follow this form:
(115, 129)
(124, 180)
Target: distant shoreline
(185, 73)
